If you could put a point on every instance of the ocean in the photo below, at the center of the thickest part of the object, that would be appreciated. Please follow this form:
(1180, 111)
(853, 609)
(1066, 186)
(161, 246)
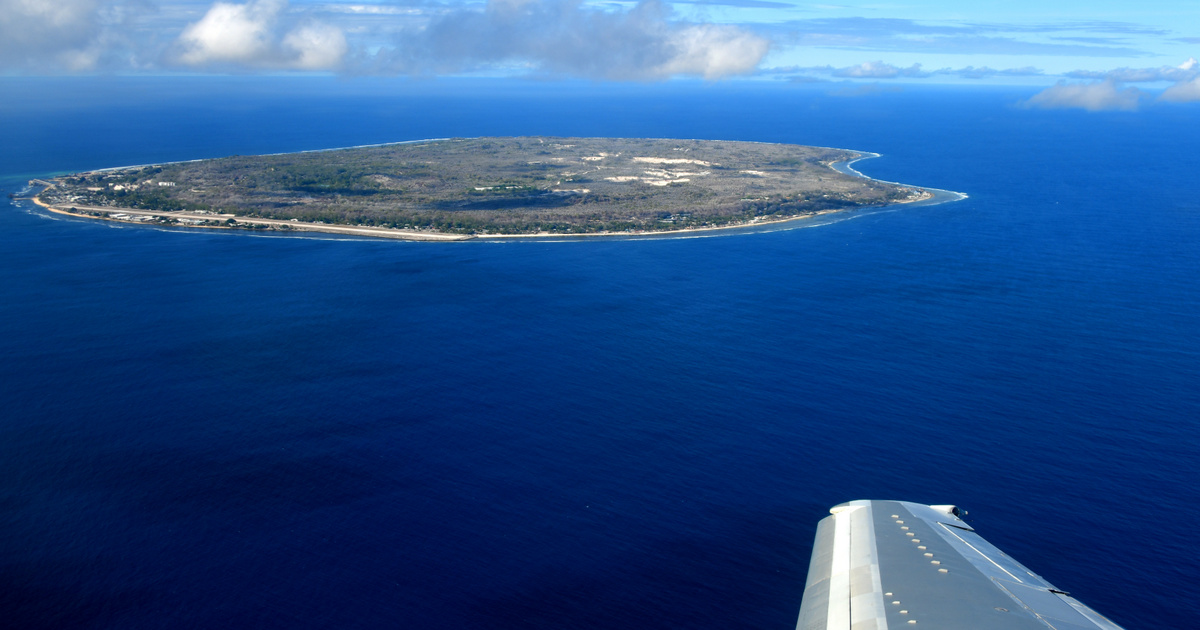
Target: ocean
(221, 429)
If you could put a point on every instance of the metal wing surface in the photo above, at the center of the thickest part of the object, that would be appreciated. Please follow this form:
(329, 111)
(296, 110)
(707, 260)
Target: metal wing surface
(893, 564)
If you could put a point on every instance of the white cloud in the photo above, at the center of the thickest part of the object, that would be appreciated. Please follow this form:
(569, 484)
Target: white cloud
(41, 33)
(253, 34)
(316, 46)
(565, 37)
(1181, 72)
(1185, 77)
(879, 70)
(1094, 97)
(568, 38)
(1183, 92)
(230, 32)
(713, 52)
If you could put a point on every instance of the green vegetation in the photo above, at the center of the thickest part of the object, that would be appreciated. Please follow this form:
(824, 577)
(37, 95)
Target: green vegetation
(499, 185)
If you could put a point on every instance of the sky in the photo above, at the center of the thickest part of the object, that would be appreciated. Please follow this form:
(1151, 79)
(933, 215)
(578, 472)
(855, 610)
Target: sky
(1096, 55)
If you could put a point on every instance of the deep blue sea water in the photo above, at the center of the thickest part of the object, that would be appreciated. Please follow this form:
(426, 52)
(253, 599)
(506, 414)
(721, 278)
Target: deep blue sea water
(204, 429)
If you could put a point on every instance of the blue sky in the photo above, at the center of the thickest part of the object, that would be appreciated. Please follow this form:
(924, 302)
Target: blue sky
(1101, 54)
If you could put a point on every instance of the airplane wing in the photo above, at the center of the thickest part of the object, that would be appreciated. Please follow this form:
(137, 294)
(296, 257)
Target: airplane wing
(892, 564)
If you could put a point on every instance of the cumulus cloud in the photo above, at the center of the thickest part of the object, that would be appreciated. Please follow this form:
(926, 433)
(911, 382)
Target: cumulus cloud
(230, 32)
(1094, 97)
(1185, 77)
(571, 38)
(1183, 92)
(38, 34)
(564, 37)
(711, 51)
(255, 34)
(315, 46)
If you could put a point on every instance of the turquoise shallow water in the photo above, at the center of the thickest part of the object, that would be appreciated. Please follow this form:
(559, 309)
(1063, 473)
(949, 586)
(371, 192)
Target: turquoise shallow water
(205, 429)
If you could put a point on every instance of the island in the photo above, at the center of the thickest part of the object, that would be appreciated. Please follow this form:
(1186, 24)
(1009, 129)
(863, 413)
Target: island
(461, 188)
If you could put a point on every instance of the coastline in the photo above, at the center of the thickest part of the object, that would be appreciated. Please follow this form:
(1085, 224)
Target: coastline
(847, 168)
(244, 223)
(930, 196)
